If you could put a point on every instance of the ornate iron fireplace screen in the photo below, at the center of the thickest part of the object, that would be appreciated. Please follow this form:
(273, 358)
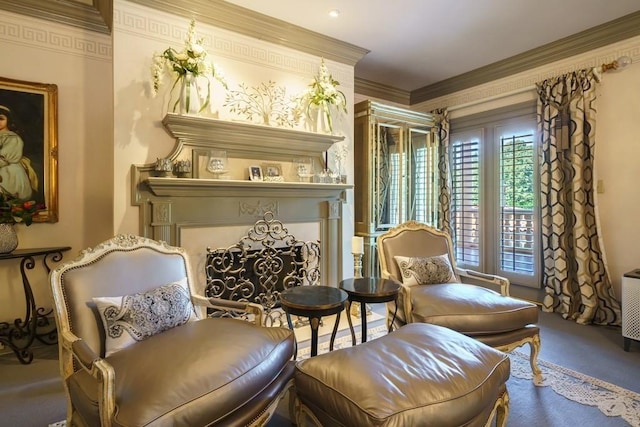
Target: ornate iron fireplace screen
(261, 265)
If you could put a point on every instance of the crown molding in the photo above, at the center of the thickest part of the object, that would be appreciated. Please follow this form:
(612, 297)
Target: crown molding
(234, 18)
(97, 17)
(381, 91)
(608, 33)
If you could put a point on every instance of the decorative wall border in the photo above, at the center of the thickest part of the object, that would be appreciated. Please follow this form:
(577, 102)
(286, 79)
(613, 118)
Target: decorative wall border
(522, 81)
(93, 17)
(26, 31)
(142, 21)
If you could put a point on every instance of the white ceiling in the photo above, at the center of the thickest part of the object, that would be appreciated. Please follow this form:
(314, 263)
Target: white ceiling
(415, 43)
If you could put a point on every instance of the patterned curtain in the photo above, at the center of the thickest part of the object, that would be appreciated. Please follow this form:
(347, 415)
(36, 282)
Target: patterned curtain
(444, 206)
(575, 279)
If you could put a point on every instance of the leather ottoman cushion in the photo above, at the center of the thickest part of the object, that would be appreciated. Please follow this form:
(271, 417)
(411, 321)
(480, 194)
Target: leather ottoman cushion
(420, 374)
(471, 310)
(234, 360)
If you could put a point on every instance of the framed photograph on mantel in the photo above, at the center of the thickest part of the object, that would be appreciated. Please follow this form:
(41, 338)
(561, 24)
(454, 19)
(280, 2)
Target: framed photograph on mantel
(29, 143)
(255, 173)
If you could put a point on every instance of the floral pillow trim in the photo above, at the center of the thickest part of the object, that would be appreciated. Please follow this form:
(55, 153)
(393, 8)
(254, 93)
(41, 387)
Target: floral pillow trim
(425, 271)
(132, 318)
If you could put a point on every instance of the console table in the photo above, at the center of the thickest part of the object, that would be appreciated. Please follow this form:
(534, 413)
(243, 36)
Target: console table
(20, 335)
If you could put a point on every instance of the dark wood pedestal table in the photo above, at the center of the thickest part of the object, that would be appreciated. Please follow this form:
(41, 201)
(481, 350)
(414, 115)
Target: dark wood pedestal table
(36, 325)
(313, 302)
(369, 290)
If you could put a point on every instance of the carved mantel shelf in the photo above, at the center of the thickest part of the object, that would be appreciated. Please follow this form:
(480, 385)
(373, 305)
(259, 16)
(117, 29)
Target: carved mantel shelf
(191, 187)
(171, 207)
(246, 138)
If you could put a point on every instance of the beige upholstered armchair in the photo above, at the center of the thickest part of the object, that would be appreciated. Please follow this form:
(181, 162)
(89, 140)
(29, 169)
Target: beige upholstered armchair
(137, 349)
(421, 259)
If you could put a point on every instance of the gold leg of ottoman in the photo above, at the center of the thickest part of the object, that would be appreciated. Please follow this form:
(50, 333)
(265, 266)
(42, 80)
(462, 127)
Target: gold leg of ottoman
(500, 411)
(304, 414)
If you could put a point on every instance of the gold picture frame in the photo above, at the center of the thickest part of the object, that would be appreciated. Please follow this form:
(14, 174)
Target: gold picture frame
(31, 112)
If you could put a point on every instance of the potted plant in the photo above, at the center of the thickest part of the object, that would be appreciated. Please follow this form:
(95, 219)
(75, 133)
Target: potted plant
(321, 95)
(187, 65)
(14, 211)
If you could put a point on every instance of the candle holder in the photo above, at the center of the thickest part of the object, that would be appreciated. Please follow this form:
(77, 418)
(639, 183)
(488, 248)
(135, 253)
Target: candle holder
(357, 266)
(357, 273)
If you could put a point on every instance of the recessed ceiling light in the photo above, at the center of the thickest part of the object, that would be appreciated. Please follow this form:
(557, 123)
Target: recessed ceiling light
(334, 13)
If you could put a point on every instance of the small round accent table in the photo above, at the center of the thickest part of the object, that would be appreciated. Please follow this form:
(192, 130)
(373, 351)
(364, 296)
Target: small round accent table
(369, 290)
(313, 302)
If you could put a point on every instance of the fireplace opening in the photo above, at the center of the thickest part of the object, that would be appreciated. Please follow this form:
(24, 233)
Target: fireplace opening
(259, 266)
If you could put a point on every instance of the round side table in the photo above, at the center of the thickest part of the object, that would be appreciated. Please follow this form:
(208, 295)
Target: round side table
(369, 290)
(313, 302)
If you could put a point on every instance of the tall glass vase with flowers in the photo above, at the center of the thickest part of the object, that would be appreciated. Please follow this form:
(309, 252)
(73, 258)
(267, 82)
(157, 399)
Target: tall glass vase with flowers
(320, 97)
(187, 66)
(14, 211)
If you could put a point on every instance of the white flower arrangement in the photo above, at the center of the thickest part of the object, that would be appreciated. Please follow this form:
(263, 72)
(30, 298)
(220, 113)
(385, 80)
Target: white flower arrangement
(191, 61)
(322, 93)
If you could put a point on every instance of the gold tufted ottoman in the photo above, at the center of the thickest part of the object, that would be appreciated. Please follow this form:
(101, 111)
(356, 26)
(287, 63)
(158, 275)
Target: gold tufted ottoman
(418, 375)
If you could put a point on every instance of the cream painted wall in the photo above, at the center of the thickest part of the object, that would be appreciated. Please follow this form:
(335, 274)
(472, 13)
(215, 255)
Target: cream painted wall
(79, 63)
(617, 140)
(618, 166)
(138, 33)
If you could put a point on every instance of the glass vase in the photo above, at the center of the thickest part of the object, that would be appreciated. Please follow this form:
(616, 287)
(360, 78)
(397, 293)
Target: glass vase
(189, 102)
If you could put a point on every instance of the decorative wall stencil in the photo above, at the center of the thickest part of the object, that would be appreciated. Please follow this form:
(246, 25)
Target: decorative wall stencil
(30, 31)
(267, 103)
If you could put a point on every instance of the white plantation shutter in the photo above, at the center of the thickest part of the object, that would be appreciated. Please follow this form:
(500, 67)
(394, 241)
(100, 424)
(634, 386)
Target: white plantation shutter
(465, 197)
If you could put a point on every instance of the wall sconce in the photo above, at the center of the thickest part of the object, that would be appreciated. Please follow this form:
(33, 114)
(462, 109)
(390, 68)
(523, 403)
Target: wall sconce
(618, 64)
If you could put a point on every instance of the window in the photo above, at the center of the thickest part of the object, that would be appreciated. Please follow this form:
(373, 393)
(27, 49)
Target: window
(494, 188)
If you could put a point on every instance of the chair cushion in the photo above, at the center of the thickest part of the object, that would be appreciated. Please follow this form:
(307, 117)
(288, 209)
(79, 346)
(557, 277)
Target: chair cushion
(470, 309)
(131, 318)
(425, 270)
(167, 380)
(417, 375)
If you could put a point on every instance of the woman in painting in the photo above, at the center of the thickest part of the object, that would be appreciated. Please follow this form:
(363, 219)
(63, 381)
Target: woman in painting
(17, 177)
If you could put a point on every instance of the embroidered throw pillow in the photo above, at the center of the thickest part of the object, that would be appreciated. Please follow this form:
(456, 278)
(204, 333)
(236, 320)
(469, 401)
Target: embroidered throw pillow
(425, 271)
(132, 318)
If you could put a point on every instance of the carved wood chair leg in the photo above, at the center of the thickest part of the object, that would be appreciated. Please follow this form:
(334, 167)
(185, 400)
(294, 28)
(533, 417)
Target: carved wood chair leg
(533, 360)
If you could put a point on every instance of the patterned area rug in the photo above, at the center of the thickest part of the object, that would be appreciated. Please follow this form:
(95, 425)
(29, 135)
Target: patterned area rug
(611, 400)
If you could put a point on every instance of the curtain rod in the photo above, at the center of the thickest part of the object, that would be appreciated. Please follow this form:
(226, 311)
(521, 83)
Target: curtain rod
(618, 64)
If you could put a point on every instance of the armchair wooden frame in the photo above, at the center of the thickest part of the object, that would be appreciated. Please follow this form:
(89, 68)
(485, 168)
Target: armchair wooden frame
(75, 354)
(389, 270)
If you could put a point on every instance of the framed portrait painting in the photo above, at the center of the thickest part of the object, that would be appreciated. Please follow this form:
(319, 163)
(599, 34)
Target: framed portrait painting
(29, 145)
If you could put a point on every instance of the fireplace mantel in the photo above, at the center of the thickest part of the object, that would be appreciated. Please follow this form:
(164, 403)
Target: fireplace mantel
(241, 138)
(172, 207)
(185, 187)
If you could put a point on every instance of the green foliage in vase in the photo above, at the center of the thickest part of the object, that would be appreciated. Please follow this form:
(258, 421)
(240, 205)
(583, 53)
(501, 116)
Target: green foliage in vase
(322, 93)
(14, 210)
(191, 60)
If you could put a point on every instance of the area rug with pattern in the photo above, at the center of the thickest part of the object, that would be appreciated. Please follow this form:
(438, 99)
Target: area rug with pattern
(610, 399)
